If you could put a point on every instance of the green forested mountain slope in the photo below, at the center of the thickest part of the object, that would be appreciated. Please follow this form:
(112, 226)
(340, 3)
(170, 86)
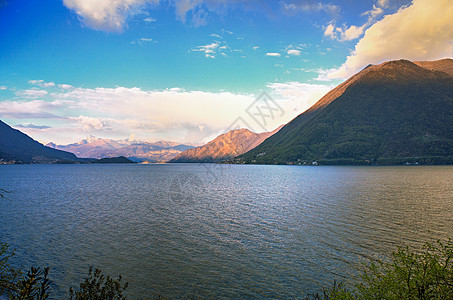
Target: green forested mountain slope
(385, 113)
(17, 147)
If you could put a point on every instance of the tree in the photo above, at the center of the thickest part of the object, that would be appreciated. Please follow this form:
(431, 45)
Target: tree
(99, 287)
(8, 275)
(410, 275)
(3, 192)
(16, 285)
(34, 285)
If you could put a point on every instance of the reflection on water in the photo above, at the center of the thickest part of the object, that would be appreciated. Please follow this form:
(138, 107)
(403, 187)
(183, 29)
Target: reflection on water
(248, 231)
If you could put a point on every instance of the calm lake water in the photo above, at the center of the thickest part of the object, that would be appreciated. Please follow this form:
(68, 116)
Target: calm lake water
(219, 231)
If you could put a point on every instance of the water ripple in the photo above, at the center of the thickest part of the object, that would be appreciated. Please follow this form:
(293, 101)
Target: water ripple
(246, 232)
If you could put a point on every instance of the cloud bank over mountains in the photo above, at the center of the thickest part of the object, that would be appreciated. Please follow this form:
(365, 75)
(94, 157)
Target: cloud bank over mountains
(175, 114)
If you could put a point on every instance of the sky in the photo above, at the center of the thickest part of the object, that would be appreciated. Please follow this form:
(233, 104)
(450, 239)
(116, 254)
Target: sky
(189, 70)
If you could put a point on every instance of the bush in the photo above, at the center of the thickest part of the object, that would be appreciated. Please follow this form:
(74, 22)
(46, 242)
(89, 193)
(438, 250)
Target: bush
(408, 275)
(336, 292)
(99, 287)
(8, 275)
(34, 285)
(16, 285)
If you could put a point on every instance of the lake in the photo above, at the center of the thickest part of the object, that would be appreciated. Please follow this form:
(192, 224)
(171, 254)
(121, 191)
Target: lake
(219, 231)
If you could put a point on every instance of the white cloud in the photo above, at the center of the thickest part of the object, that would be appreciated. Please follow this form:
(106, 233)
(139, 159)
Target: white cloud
(108, 15)
(421, 31)
(37, 109)
(294, 52)
(329, 31)
(323, 74)
(3, 87)
(65, 86)
(274, 54)
(352, 33)
(383, 3)
(31, 93)
(210, 50)
(345, 33)
(90, 123)
(32, 126)
(112, 15)
(218, 46)
(255, 47)
(173, 114)
(42, 83)
(143, 41)
(215, 48)
(309, 6)
(199, 9)
(300, 96)
(375, 12)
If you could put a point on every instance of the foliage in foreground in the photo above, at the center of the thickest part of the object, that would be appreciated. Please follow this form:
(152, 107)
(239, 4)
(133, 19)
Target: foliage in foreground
(36, 285)
(15, 284)
(98, 287)
(409, 275)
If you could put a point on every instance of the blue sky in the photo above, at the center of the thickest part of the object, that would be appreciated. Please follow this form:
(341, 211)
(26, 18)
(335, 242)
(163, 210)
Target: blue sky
(185, 70)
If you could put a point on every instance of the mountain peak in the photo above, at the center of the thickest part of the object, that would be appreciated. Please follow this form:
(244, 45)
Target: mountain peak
(397, 63)
(92, 138)
(51, 145)
(138, 151)
(443, 65)
(226, 146)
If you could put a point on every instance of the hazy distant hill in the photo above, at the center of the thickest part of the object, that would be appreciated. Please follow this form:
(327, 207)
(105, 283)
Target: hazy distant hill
(18, 147)
(225, 146)
(138, 151)
(114, 160)
(388, 113)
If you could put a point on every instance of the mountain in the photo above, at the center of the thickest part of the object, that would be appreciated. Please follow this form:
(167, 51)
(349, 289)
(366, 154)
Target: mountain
(93, 147)
(225, 146)
(443, 65)
(113, 160)
(17, 147)
(395, 112)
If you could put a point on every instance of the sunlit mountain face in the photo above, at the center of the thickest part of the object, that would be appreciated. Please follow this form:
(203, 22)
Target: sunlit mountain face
(226, 146)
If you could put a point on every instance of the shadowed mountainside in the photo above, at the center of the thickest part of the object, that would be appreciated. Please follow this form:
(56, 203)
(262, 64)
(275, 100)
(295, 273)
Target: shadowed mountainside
(17, 147)
(386, 113)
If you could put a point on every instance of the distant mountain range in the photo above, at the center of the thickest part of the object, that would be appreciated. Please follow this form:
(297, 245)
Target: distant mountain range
(395, 112)
(17, 147)
(392, 113)
(94, 147)
(225, 146)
